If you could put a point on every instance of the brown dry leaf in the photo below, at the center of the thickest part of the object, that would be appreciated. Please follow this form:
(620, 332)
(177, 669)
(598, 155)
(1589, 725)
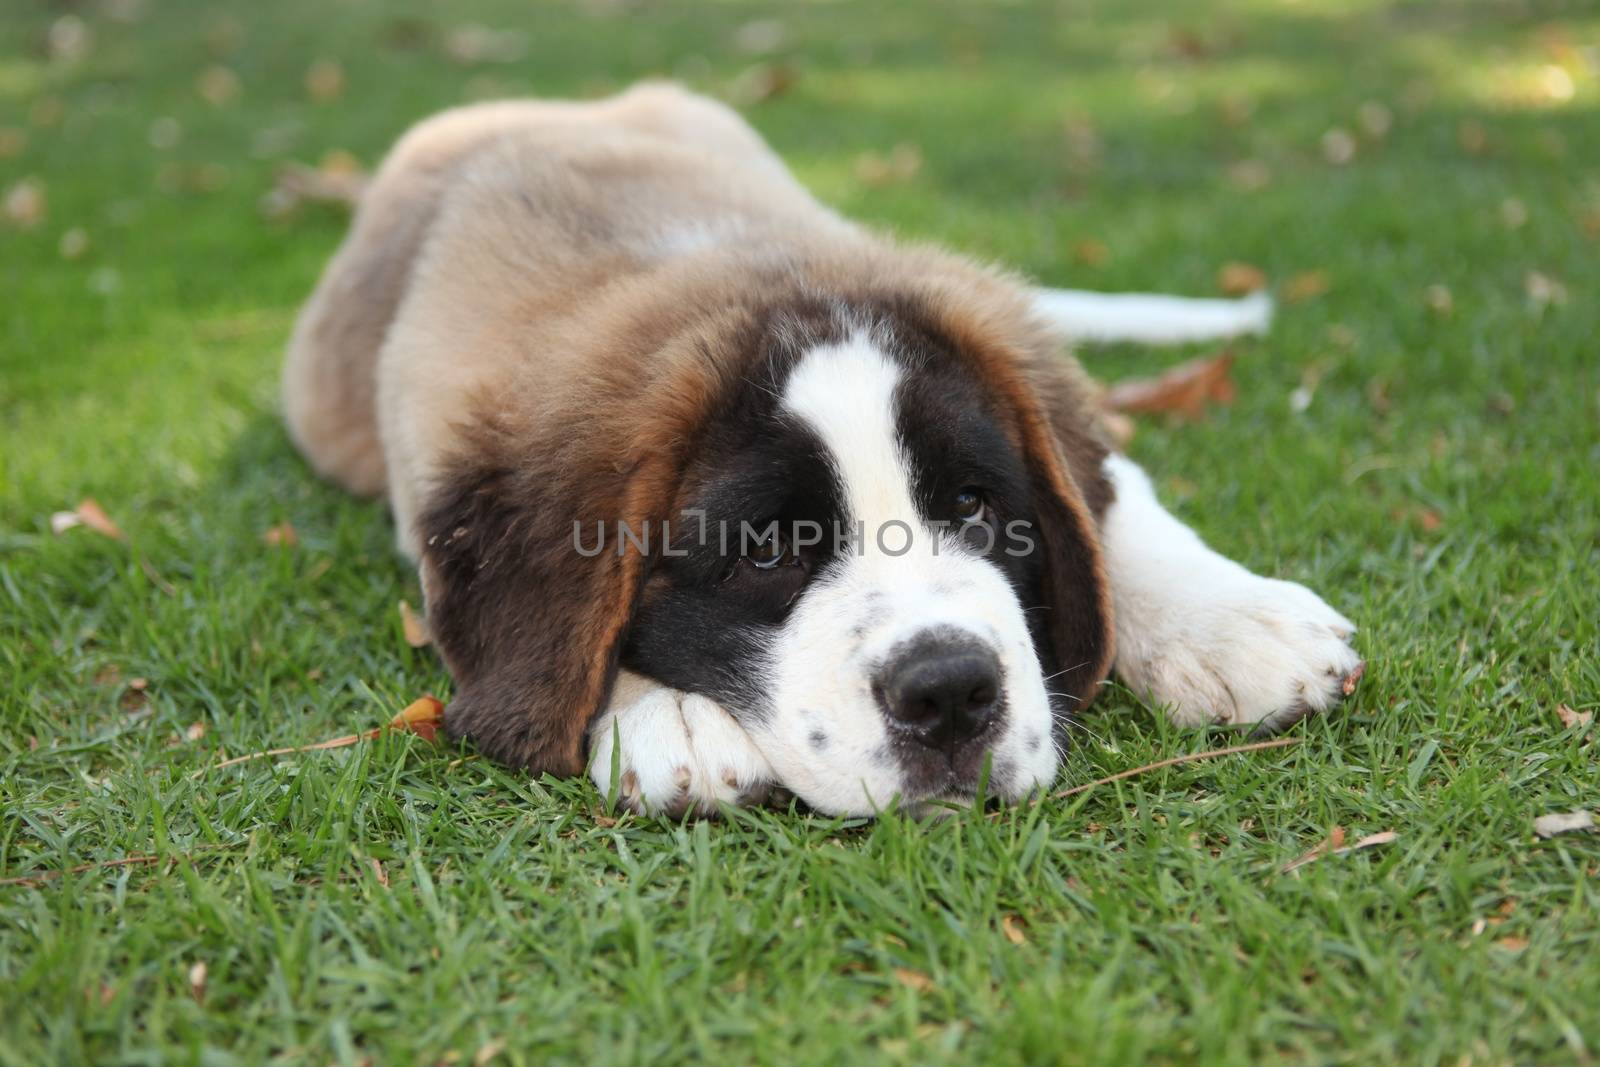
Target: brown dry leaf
(217, 85)
(1570, 718)
(488, 1052)
(1184, 390)
(901, 165)
(197, 982)
(1382, 837)
(195, 732)
(1090, 252)
(1249, 175)
(423, 717)
(339, 179)
(1305, 286)
(414, 626)
(763, 82)
(1563, 822)
(1338, 146)
(25, 203)
(1439, 300)
(1512, 944)
(280, 536)
(473, 43)
(88, 513)
(913, 980)
(325, 81)
(1241, 279)
(74, 243)
(378, 872)
(1376, 119)
(1543, 290)
(1011, 926)
(1332, 843)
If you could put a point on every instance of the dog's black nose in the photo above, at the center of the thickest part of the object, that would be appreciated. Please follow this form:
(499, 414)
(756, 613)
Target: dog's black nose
(942, 690)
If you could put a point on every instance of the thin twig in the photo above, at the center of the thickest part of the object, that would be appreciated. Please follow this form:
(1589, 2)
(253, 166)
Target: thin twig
(40, 877)
(335, 742)
(1281, 742)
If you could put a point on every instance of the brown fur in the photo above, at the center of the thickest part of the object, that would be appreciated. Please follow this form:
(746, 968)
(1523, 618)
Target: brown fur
(520, 331)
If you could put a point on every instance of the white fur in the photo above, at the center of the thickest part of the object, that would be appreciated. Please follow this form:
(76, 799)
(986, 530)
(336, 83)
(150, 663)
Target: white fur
(1204, 637)
(1152, 318)
(679, 752)
(849, 619)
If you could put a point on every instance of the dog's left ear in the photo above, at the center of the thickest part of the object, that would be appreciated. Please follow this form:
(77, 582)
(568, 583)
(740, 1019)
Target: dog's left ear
(530, 626)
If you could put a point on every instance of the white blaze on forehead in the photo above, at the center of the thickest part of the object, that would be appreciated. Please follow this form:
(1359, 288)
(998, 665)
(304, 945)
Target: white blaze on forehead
(845, 394)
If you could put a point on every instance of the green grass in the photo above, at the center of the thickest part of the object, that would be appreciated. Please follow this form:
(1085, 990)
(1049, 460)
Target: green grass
(1156, 924)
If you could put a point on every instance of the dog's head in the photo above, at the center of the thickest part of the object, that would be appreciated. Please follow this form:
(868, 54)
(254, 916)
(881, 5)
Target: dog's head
(859, 531)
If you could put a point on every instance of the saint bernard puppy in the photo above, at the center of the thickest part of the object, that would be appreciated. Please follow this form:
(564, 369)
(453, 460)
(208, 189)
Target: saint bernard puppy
(713, 492)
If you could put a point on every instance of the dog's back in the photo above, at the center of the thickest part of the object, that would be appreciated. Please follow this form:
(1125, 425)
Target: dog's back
(331, 375)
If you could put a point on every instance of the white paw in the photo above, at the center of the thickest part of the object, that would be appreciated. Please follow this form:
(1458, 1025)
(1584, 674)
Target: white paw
(1234, 649)
(679, 752)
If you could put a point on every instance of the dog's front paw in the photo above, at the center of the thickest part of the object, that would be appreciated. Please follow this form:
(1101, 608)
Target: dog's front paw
(1245, 651)
(674, 752)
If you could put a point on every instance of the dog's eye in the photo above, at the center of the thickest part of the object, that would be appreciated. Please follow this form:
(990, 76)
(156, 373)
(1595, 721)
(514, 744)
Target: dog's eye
(969, 504)
(770, 551)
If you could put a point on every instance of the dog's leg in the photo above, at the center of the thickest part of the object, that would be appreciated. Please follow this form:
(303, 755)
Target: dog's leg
(1150, 318)
(1204, 637)
(673, 752)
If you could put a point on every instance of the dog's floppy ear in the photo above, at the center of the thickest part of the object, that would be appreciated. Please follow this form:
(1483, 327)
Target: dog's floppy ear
(530, 627)
(1053, 423)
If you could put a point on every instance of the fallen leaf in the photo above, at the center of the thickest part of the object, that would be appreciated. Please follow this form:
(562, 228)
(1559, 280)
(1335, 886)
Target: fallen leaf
(423, 717)
(325, 81)
(901, 165)
(473, 43)
(1011, 926)
(1090, 252)
(1249, 175)
(339, 179)
(1512, 944)
(378, 872)
(1376, 119)
(1570, 718)
(1332, 843)
(488, 1051)
(1563, 823)
(88, 513)
(1241, 279)
(196, 731)
(280, 536)
(759, 36)
(1305, 285)
(414, 627)
(1472, 137)
(913, 979)
(73, 244)
(25, 203)
(762, 82)
(1543, 290)
(1338, 146)
(1184, 390)
(1382, 837)
(217, 85)
(197, 982)
(67, 40)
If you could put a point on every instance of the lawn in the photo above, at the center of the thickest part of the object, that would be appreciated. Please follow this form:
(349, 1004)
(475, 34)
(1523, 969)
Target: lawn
(1417, 440)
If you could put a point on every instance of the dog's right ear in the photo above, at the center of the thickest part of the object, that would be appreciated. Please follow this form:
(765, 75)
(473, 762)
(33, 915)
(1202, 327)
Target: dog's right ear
(530, 626)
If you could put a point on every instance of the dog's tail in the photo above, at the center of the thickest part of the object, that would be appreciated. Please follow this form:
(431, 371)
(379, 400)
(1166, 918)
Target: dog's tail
(1150, 318)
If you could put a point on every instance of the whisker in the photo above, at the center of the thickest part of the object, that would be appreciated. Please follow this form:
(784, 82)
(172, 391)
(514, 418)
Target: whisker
(1066, 671)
